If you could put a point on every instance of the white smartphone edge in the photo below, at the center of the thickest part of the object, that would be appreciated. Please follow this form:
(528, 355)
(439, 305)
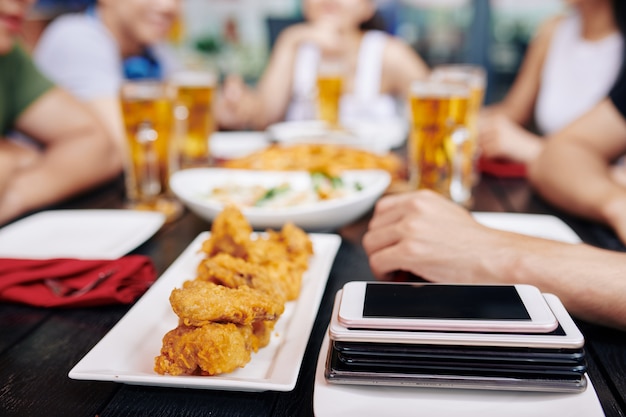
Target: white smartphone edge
(573, 338)
(542, 319)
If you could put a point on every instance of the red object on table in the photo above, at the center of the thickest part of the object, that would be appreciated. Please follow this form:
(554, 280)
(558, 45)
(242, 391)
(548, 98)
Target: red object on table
(74, 282)
(502, 169)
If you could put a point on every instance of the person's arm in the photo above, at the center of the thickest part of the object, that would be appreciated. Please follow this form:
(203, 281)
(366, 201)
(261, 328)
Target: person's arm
(109, 110)
(267, 104)
(519, 103)
(573, 172)
(502, 138)
(502, 134)
(400, 77)
(78, 54)
(242, 107)
(431, 237)
(78, 154)
(15, 156)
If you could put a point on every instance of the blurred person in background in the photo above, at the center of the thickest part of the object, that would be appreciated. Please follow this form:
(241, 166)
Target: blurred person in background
(71, 150)
(569, 67)
(344, 30)
(92, 53)
(424, 234)
(576, 170)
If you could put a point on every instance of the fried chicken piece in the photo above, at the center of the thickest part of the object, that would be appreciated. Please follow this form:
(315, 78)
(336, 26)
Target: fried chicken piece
(230, 233)
(296, 240)
(285, 255)
(201, 302)
(224, 269)
(208, 350)
(262, 333)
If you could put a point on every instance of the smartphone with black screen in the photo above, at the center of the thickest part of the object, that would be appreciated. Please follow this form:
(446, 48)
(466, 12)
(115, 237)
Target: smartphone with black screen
(445, 307)
(565, 339)
(552, 361)
(339, 371)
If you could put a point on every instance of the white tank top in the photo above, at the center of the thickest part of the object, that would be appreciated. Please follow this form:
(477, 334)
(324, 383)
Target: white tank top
(365, 102)
(576, 75)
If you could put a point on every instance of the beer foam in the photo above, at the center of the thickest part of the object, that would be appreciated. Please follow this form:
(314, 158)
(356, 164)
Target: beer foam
(194, 78)
(438, 89)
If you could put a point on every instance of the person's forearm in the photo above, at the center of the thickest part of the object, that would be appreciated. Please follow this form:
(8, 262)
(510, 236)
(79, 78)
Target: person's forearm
(67, 167)
(7, 167)
(589, 281)
(575, 180)
(273, 93)
(505, 109)
(532, 146)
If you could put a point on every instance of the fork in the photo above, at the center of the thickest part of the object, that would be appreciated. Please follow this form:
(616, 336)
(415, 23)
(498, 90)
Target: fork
(61, 290)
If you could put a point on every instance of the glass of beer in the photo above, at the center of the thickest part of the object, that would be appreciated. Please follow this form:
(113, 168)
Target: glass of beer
(330, 76)
(147, 113)
(475, 78)
(439, 138)
(193, 116)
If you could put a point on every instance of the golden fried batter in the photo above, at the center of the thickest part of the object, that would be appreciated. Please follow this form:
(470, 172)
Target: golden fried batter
(208, 350)
(285, 255)
(230, 309)
(201, 302)
(230, 234)
(262, 333)
(224, 269)
(327, 158)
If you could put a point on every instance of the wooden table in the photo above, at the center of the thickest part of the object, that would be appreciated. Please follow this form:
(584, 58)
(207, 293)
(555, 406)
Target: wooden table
(38, 346)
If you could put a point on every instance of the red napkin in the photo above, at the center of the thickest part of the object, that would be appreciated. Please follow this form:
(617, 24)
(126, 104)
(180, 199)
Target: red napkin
(75, 283)
(503, 169)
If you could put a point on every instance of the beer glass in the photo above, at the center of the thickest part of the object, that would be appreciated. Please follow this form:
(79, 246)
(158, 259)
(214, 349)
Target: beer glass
(439, 139)
(193, 115)
(475, 78)
(147, 113)
(330, 76)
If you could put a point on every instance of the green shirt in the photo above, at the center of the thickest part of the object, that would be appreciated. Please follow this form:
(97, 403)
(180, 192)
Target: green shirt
(21, 84)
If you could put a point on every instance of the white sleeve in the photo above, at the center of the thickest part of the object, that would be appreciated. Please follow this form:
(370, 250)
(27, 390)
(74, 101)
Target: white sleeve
(78, 53)
(168, 59)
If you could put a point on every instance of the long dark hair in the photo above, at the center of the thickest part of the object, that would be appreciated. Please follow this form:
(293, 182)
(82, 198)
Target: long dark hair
(619, 14)
(376, 22)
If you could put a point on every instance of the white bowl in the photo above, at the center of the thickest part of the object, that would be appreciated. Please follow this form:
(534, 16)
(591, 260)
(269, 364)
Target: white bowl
(193, 187)
(376, 136)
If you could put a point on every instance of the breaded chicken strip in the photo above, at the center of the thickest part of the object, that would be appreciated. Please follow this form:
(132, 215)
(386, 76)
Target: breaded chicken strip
(262, 333)
(285, 254)
(230, 233)
(224, 269)
(208, 350)
(201, 302)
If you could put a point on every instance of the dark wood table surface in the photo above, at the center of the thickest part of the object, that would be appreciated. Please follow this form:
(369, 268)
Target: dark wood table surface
(39, 346)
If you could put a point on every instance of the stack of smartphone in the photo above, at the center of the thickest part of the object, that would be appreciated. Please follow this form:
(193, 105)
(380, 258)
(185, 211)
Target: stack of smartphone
(502, 337)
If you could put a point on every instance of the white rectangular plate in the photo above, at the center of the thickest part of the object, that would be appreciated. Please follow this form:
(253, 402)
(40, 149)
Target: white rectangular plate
(538, 225)
(331, 400)
(126, 354)
(78, 234)
(365, 401)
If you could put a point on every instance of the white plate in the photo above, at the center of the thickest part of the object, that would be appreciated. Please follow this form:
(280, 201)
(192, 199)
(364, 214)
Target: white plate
(373, 401)
(126, 354)
(193, 185)
(79, 234)
(231, 145)
(538, 225)
(378, 136)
